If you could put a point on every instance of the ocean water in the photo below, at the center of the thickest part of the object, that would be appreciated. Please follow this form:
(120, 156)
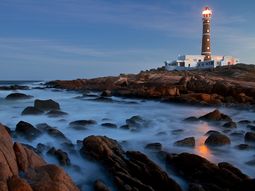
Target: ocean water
(163, 119)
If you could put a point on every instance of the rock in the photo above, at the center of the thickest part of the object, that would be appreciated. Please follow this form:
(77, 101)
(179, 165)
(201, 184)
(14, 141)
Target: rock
(249, 137)
(106, 93)
(109, 125)
(61, 156)
(31, 111)
(125, 126)
(191, 119)
(52, 178)
(46, 105)
(17, 184)
(211, 132)
(14, 87)
(229, 124)
(238, 133)
(26, 158)
(196, 169)
(217, 139)
(177, 131)
(27, 130)
(252, 127)
(251, 162)
(132, 171)
(154, 146)
(82, 123)
(17, 96)
(56, 113)
(245, 122)
(187, 142)
(41, 147)
(100, 186)
(215, 115)
(135, 121)
(243, 147)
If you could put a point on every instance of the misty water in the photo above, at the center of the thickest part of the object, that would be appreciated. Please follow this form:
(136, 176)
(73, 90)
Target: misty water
(164, 121)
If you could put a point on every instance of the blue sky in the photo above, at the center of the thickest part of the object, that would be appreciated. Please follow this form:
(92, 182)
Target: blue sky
(67, 39)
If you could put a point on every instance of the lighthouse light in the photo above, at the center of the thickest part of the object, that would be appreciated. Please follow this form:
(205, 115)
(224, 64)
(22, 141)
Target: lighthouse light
(207, 12)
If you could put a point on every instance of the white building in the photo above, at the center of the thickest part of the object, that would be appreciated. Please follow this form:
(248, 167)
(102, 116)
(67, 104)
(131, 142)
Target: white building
(189, 62)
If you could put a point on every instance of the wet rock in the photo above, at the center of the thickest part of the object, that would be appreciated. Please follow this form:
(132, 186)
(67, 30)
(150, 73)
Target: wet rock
(249, 137)
(244, 122)
(14, 87)
(191, 119)
(154, 146)
(104, 99)
(187, 142)
(109, 125)
(135, 121)
(46, 105)
(56, 113)
(251, 162)
(252, 127)
(132, 171)
(41, 147)
(106, 93)
(31, 111)
(17, 96)
(230, 124)
(100, 186)
(16, 183)
(82, 123)
(125, 126)
(243, 147)
(217, 139)
(60, 155)
(196, 169)
(238, 133)
(27, 130)
(215, 115)
(211, 132)
(177, 131)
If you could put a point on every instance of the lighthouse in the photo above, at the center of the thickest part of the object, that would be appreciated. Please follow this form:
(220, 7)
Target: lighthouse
(206, 39)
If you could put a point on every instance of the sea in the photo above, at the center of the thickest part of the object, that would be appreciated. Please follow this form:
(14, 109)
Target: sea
(164, 124)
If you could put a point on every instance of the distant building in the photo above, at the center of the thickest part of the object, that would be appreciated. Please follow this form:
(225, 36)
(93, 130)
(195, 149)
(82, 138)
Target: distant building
(205, 60)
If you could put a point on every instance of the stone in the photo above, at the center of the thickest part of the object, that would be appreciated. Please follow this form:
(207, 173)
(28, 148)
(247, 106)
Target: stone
(187, 142)
(154, 146)
(82, 123)
(31, 111)
(249, 137)
(191, 119)
(215, 115)
(109, 125)
(26, 158)
(106, 93)
(15, 183)
(99, 185)
(46, 105)
(56, 113)
(229, 124)
(60, 155)
(132, 170)
(217, 139)
(245, 122)
(27, 130)
(17, 96)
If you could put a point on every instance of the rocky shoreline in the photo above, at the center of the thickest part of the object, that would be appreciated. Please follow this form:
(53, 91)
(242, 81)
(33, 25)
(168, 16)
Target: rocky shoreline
(230, 85)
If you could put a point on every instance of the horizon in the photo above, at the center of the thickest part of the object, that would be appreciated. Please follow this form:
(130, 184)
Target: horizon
(85, 39)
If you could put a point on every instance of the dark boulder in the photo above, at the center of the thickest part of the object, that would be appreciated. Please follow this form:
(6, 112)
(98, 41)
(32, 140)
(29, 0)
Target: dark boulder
(109, 125)
(46, 105)
(27, 130)
(215, 115)
(154, 146)
(81, 124)
(217, 139)
(187, 142)
(56, 113)
(99, 185)
(106, 93)
(130, 171)
(249, 137)
(244, 122)
(210, 177)
(191, 119)
(17, 96)
(31, 111)
(60, 155)
(229, 124)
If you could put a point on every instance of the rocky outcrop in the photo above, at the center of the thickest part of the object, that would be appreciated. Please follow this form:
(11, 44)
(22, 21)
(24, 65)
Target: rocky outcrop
(17, 96)
(208, 176)
(187, 142)
(17, 160)
(131, 170)
(215, 115)
(60, 155)
(31, 111)
(249, 137)
(14, 87)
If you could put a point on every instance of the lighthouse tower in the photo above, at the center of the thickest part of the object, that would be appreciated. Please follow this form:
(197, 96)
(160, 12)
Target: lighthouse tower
(206, 40)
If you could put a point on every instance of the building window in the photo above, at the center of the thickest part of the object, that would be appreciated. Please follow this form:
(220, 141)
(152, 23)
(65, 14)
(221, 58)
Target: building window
(208, 48)
(208, 30)
(208, 40)
(208, 21)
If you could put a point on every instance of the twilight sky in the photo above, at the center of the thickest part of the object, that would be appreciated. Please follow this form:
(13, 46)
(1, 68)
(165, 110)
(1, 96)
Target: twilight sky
(68, 39)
